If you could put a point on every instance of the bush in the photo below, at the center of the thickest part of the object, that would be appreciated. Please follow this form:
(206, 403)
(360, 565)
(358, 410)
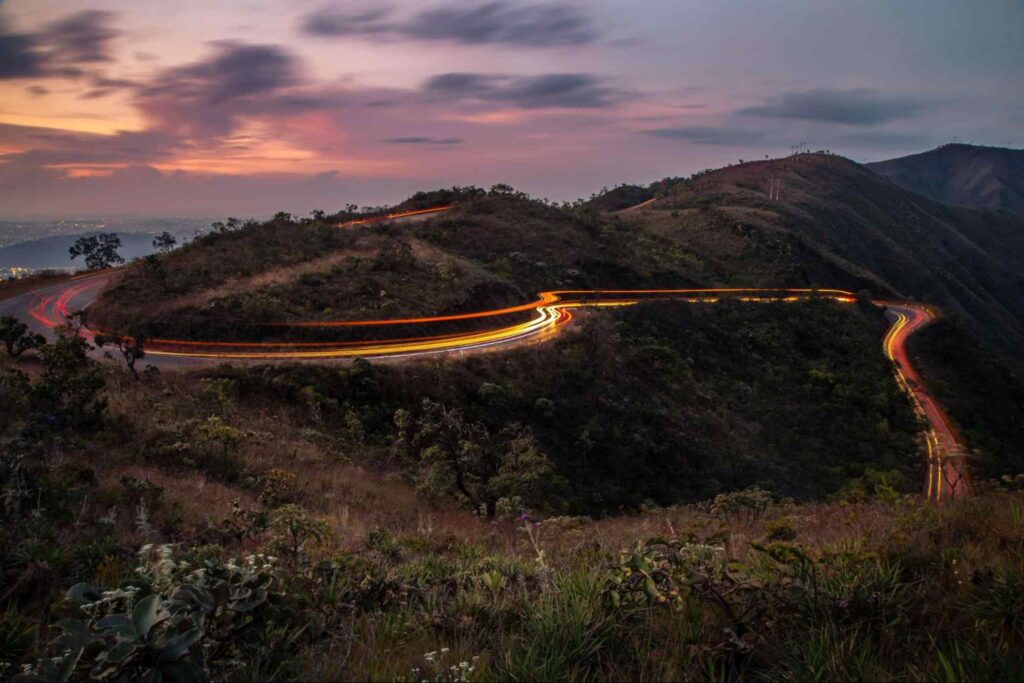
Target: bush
(175, 621)
(781, 529)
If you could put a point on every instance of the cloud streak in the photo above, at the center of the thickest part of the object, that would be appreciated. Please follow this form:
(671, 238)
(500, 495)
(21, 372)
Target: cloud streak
(83, 37)
(708, 135)
(491, 23)
(858, 106)
(568, 91)
(422, 140)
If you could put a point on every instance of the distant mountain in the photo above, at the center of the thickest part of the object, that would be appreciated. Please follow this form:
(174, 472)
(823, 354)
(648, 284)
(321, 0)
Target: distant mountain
(967, 175)
(52, 252)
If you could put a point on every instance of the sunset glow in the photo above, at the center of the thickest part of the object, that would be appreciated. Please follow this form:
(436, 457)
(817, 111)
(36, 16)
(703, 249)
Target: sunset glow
(366, 100)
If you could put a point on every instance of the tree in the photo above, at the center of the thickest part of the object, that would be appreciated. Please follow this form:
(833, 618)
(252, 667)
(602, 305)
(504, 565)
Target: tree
(17, 338)
(465, 459)
(231, 225)
(165, 241)
(215, 430)
(100, 251)
(502, 189)
(67, 394)
(132, 347)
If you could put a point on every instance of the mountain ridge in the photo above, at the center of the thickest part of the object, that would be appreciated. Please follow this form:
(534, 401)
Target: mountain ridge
(961, 175)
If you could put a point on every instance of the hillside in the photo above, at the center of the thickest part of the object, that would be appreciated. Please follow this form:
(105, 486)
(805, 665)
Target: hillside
(290, 519)
(965, 175)
(665, 491)
(837, 224)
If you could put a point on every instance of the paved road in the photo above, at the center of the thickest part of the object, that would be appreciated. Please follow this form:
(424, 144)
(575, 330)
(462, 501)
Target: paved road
(947, 473)
(397, 217)
(47, 308)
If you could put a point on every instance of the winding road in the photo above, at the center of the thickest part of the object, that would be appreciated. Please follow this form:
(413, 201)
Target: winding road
(48, 307)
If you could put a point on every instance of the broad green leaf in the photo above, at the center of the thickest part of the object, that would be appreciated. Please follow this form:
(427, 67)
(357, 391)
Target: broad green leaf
(120, 652)
(82, 593)
(178, 646)
(147, 613)
(68, 664)
(119, 623)
(74, 627)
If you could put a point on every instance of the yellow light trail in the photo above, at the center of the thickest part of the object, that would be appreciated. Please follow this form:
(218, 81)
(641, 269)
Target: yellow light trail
(551, 311)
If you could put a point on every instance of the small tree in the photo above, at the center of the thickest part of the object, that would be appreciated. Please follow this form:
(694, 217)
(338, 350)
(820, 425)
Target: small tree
(215, 430)
(464, 459)
(100, 251)
(67, 394)
(164, 242)
(17, 338)
(132, 347)
(502, 190)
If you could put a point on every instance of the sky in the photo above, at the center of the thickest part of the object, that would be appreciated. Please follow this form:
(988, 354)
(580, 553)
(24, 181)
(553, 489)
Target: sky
(247, 107)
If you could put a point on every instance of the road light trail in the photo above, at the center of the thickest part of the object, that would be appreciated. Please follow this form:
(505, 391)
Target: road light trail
(551, 311)
(400, 215)
(947, 474)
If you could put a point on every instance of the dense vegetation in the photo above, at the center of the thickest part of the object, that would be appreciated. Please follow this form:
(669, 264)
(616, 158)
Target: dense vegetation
(152, 529)
(836, 224)
(698, 400)
(981, 389)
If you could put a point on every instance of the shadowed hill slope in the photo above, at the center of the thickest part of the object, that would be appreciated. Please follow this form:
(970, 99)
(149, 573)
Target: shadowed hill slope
(838, 223)
(967, 175)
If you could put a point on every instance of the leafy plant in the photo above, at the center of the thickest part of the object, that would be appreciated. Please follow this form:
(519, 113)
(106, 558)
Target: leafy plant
(174, 622)
(16, 337)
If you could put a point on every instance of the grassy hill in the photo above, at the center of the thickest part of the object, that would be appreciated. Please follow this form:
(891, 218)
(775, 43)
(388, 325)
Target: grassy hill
(277, 512)
(727, 491)
(967, 175)
(836, 224)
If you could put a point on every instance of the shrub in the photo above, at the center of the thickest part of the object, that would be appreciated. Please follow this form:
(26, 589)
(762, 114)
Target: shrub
(781, 529)
(172, 622)
(746, 505)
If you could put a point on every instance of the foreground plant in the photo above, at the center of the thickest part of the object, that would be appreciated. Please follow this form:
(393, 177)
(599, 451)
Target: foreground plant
(173, 622)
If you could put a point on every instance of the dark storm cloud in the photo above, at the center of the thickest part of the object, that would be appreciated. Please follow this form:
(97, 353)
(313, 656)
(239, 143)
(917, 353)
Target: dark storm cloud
(80, 38)
(570, 91)
(236, 70)
(708, 135)
(497, 22)
(858, 106)
(422, 140)
(207, 98)
(19, 57)
(83, 37)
